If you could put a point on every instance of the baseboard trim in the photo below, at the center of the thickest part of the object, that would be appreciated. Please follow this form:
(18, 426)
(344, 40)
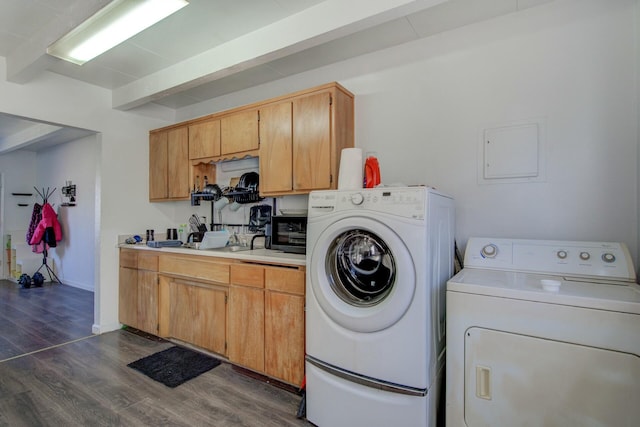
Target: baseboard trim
(98, 329)
(82, 286)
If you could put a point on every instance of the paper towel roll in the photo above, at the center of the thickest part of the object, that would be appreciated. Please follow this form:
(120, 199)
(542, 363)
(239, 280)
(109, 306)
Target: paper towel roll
(350, 173)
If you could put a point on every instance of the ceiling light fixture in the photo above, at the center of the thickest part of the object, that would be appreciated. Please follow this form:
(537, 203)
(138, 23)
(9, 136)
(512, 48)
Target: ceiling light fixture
(110, 26)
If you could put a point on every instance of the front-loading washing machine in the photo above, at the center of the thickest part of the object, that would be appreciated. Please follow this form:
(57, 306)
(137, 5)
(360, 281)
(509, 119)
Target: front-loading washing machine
(377, 265)
(543, 333)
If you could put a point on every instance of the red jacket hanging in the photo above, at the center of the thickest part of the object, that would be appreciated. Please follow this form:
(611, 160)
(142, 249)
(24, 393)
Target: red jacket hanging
(48, 228)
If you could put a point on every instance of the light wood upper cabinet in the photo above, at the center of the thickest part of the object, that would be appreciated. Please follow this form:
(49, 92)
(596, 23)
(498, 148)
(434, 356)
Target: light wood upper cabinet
(169, 164)
(178, 163)
(158, 163)
(301, 140)
(239, 132)
(276, 148)
(312, 142)
(204, 139)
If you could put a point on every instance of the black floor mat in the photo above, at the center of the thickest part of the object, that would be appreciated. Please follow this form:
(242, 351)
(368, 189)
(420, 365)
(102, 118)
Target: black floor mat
(174, 365)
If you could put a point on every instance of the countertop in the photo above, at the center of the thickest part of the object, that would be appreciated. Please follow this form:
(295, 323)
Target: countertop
(256, 255)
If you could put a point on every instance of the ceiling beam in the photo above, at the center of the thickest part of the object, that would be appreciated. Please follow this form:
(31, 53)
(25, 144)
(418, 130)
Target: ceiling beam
(36, 133)
(311, 27)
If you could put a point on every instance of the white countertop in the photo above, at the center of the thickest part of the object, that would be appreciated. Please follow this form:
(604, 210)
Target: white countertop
(256, 255)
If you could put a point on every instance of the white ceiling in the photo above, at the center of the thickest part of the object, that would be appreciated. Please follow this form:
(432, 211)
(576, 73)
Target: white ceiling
(214, 47)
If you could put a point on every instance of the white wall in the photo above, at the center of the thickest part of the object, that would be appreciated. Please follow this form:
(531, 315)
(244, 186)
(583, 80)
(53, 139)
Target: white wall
(74, 256)
(423, 105)
(18, 177)
(121, 173)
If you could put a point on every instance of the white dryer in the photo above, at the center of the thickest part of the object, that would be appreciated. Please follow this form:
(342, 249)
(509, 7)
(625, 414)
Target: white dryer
(543, 333)
(377, 265)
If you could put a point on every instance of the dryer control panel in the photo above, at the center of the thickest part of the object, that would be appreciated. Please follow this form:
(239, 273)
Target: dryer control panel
(574, 258)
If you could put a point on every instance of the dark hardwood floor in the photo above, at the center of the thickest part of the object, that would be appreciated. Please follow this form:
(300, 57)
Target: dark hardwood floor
(36, 318)
(53, 372)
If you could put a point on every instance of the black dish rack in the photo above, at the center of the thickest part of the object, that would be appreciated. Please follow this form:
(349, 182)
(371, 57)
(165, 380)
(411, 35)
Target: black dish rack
(241, 197)
(245, 196)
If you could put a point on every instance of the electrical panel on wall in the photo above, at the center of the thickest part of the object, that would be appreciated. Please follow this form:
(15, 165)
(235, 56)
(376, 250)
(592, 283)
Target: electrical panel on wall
(513, 152)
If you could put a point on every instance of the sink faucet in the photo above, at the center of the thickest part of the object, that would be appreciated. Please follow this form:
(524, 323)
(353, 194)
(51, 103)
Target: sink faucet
(233, 239)
(256, 236)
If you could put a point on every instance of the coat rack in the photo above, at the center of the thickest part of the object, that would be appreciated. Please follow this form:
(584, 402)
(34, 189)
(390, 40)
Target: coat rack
(45, 199)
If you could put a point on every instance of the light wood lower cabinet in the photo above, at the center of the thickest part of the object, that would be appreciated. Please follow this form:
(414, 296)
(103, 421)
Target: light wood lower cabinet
(148, 301)
(284, 324)
(266, 326)
(250, 312)
(138, 287)
(246, 316)
(246, 327)
(197, 314)
(128, 296)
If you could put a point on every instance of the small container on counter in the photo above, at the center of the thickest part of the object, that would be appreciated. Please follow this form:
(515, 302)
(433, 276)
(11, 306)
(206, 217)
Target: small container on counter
(182, 232)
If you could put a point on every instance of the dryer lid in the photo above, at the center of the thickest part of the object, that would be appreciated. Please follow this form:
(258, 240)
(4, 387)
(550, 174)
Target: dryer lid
(616, 296)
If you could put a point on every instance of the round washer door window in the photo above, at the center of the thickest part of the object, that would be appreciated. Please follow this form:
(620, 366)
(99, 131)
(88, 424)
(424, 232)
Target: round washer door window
(360, 268)
(362, 274)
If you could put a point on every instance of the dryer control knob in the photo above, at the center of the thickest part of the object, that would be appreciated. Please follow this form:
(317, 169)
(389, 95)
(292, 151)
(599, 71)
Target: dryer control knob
(357, 198)
(608, 257)
(489, 251)
(584, 256)
(562, 254)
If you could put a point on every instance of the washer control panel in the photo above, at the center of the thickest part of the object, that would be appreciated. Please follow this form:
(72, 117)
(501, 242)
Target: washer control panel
(408, 202)
(600, 259)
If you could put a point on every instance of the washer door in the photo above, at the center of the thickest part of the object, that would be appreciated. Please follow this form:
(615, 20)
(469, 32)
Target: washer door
(362, 274)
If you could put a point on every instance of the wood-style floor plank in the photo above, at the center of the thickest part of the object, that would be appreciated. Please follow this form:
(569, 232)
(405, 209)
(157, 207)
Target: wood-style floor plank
(36, 318)
(79, 379)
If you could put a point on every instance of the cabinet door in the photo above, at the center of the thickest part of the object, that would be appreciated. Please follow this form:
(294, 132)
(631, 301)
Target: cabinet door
(178, 163)
(128, 297)
(181, 311)
(312, 142)
(284, 336)
(158, 155)
(197, 315)
(276, 148)
(246, 327)
(239, 132)
(210, 326)
(204, 139)
(148, 301)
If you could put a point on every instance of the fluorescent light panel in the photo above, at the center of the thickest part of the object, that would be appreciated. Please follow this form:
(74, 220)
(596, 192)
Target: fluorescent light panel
(110, 26)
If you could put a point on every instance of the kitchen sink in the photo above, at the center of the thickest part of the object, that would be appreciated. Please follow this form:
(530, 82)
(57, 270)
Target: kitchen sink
(231, 248)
